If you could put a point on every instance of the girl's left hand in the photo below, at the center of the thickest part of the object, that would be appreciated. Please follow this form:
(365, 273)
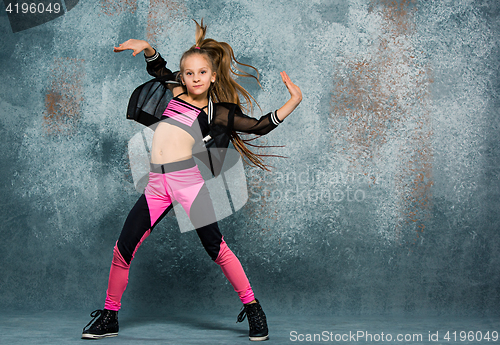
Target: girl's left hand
(295, 93)
(295, 98)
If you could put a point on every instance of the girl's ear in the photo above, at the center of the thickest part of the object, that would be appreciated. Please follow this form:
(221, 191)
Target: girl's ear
(213, 77)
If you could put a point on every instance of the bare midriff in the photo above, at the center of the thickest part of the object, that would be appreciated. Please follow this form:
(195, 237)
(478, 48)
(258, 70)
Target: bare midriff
(171, 144)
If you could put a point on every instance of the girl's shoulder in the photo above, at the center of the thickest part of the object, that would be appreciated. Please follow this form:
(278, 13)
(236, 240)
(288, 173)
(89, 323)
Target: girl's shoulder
(225, 104)
(223, 114)
(227, 107)
(226, 111)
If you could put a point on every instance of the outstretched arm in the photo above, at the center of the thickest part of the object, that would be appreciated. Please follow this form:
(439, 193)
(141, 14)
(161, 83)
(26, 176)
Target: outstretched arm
(293, 102)
(268, 122)
(156, 65)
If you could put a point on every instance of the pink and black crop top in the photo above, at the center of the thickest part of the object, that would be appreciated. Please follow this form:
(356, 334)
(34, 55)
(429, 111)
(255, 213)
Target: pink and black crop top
(187, 117)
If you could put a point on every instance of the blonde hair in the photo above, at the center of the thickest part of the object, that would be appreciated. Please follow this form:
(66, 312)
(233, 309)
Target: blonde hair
(225, 89)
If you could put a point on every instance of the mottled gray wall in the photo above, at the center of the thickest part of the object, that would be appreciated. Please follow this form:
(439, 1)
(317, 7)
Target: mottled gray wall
(387, 203)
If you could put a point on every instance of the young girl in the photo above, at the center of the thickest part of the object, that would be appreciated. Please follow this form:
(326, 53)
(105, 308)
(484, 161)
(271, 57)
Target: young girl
(206, 101)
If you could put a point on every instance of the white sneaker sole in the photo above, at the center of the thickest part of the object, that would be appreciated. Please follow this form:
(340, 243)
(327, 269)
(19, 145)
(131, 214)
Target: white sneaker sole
(259, 338)
(98, 336)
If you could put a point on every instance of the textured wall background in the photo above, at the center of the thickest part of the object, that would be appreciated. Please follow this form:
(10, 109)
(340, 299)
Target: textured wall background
(387, 203)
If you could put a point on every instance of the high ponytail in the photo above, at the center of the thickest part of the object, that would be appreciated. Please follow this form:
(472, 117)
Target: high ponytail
(201, 31)
(225, 88)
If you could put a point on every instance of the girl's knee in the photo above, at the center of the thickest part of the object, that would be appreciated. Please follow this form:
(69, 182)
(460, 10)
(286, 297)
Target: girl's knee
(211, 238)
(118, 259)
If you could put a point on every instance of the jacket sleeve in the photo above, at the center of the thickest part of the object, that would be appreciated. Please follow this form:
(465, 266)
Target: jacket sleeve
(157, 66)
(247, 124)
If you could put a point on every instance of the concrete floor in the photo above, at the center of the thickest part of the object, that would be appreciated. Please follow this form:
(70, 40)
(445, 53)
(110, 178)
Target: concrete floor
(65, 328)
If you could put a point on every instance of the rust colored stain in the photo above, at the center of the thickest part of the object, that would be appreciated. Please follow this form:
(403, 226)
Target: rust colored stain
(381, 108)
(163, 14)
(64, 98)
(116, 7)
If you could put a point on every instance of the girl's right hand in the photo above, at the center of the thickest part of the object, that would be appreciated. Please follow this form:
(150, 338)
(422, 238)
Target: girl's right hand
(137, 46)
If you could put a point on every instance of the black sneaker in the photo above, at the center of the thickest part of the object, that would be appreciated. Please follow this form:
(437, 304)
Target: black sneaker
(106, 325)
(256, 321)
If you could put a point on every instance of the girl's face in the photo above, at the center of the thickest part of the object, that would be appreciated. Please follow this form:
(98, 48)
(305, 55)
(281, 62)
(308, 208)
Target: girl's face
(197, 74)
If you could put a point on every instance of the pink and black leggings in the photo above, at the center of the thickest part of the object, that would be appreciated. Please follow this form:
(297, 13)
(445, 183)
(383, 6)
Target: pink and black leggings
(179, 181)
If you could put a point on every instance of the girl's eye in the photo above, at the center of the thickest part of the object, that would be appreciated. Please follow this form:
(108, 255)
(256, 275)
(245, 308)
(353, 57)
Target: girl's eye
(203, 72)
(188, 73)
